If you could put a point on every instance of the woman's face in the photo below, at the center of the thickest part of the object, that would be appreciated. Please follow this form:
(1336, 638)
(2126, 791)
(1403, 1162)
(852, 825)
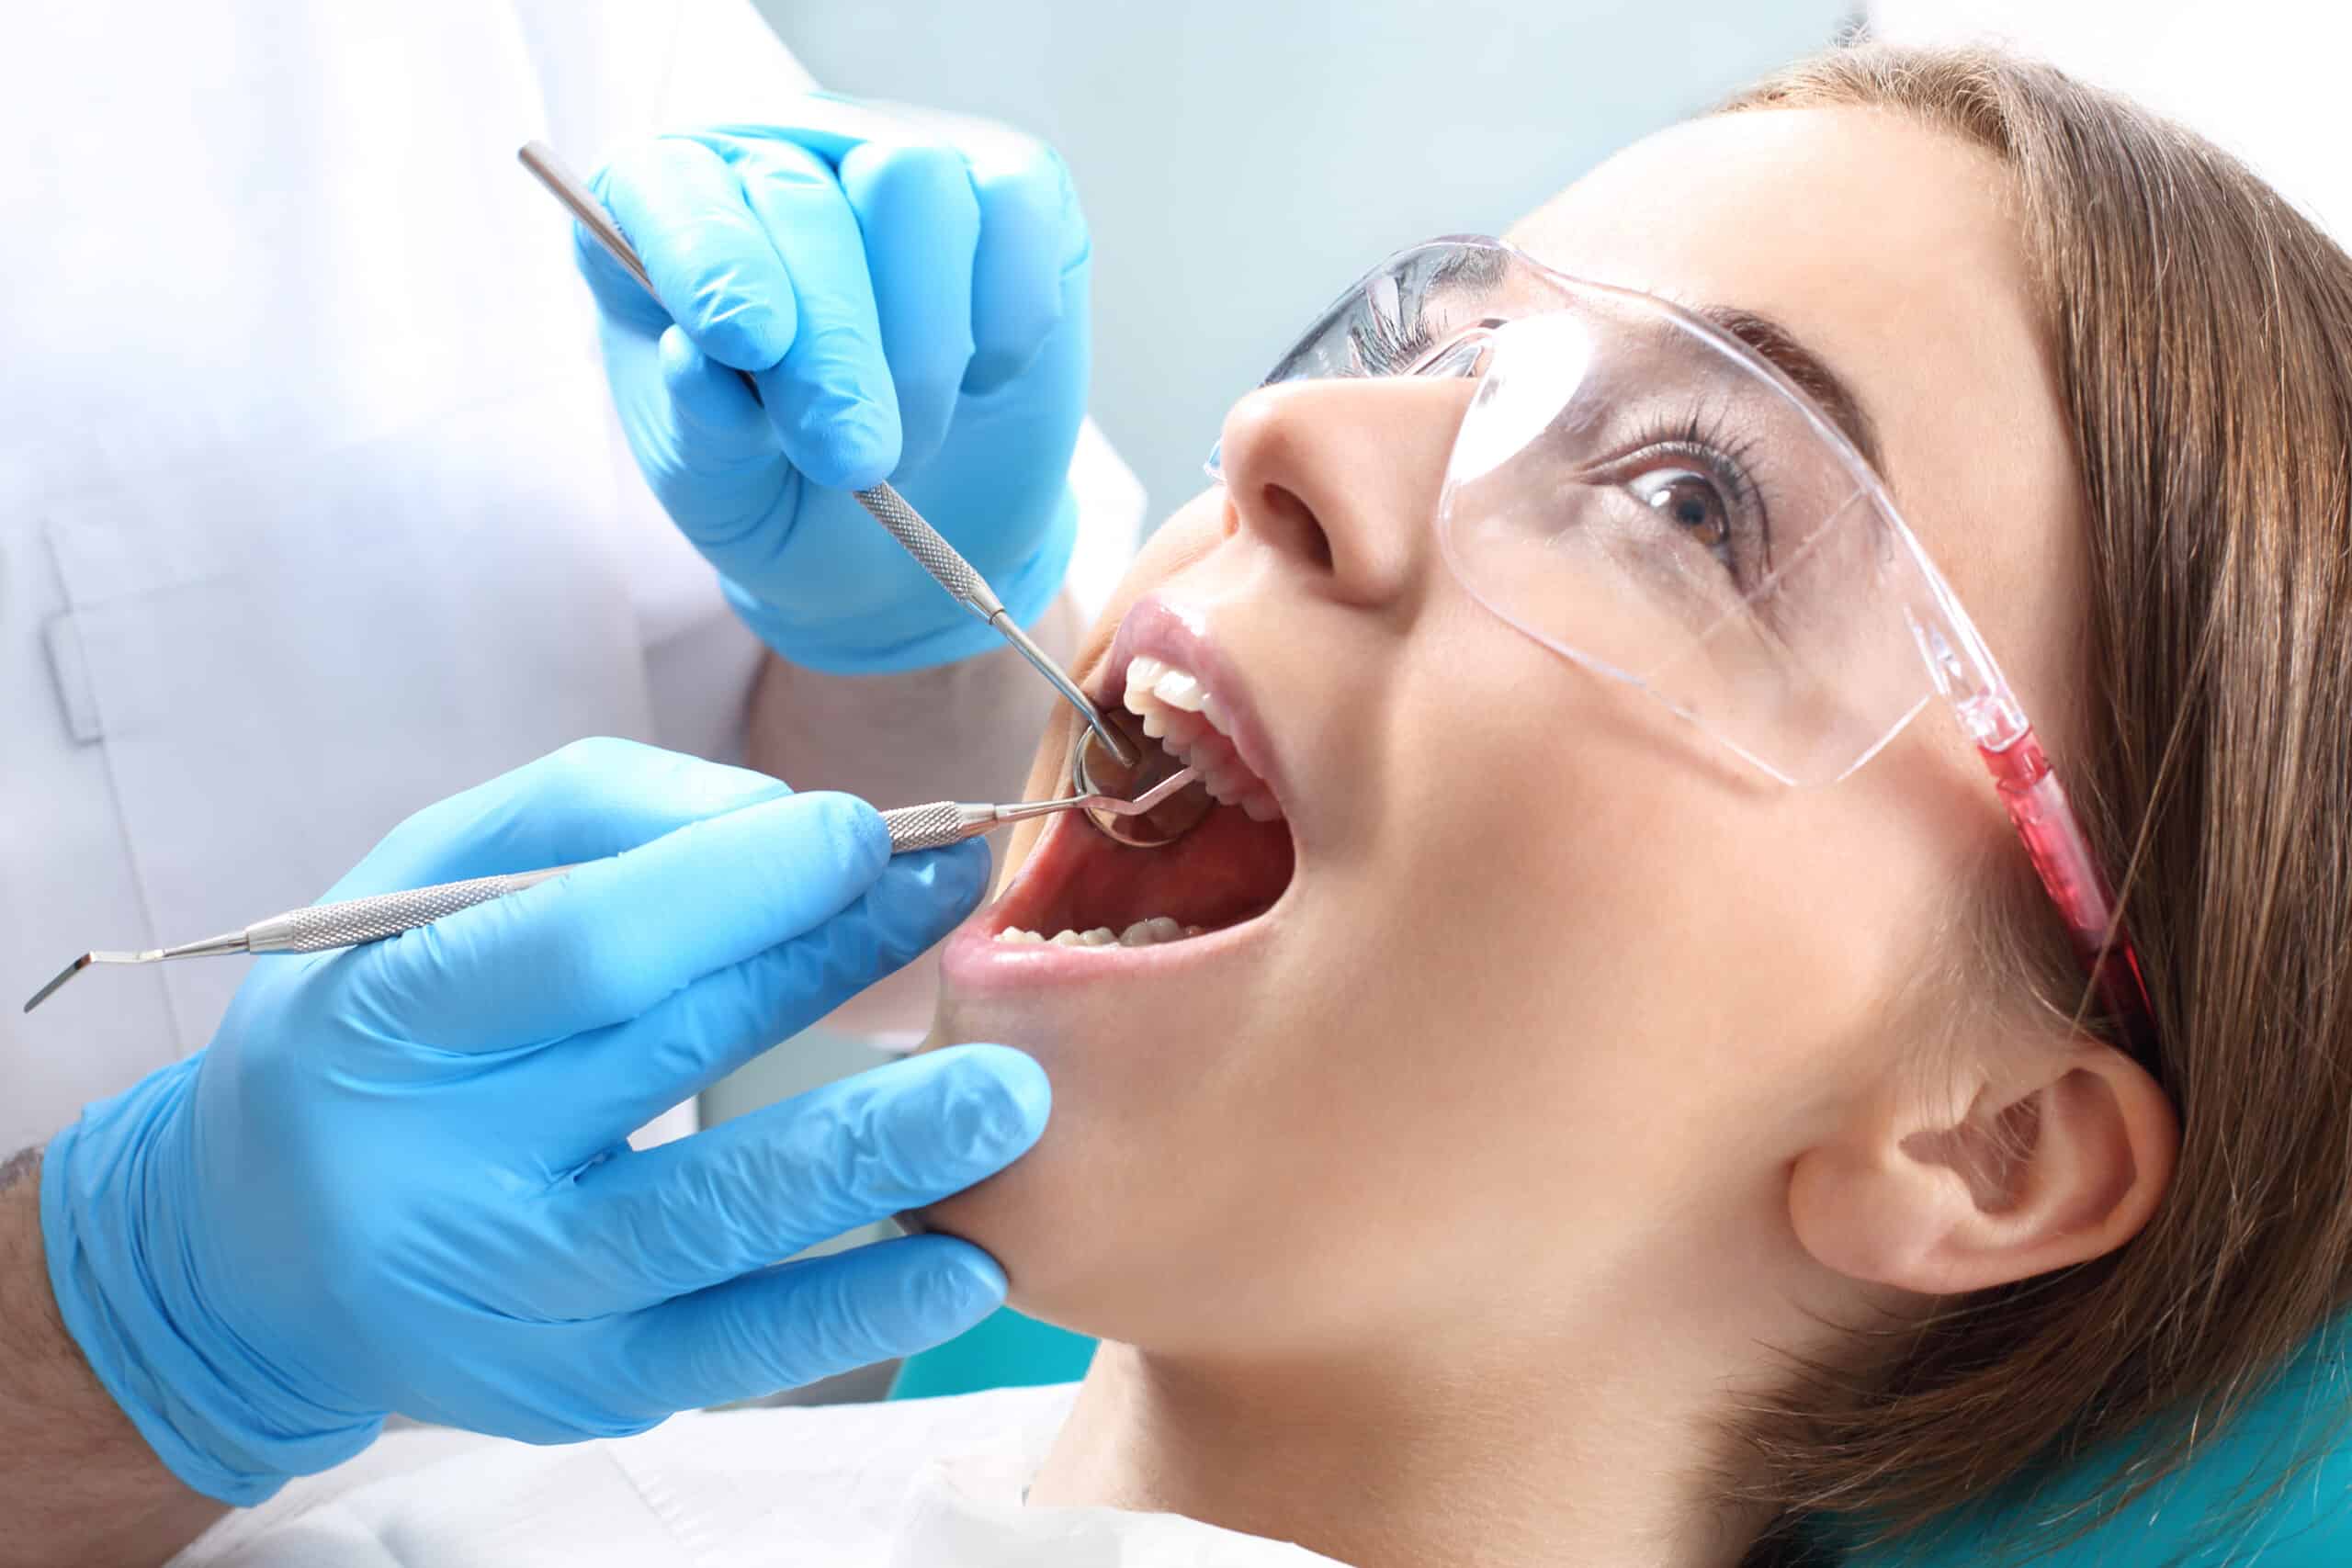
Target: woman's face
(1554, 993)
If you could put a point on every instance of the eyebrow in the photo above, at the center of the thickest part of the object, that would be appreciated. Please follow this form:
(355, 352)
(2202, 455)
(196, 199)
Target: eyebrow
(1789, 355)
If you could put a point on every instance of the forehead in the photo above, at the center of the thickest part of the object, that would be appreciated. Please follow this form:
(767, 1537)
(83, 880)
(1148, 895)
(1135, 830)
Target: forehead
(1892, 250)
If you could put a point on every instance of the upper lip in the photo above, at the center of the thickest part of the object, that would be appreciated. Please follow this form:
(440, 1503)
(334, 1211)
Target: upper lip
(1176, 633)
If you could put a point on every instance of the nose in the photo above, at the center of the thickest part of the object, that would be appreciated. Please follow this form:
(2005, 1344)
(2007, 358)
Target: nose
(1341, 478)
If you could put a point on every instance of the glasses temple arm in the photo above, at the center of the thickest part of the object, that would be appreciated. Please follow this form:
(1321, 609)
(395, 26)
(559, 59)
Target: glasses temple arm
(2061, 856)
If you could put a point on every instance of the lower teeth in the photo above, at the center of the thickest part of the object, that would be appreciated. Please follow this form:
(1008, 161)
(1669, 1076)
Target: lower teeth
(1143, 934)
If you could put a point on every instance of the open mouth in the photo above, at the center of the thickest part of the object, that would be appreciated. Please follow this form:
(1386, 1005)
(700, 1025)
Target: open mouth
(1083, 890)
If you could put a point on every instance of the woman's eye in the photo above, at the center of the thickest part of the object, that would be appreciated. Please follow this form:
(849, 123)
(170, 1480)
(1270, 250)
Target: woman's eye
(1693, 502)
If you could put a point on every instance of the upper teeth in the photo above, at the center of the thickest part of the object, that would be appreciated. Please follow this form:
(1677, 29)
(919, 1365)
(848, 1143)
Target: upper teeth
(1188, 721)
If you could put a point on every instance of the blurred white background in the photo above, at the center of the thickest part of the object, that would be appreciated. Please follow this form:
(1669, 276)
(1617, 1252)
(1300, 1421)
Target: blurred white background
(2263, 78)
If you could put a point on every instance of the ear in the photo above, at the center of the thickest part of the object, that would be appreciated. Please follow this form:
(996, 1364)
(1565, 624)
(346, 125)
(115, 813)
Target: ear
(2053, 1154)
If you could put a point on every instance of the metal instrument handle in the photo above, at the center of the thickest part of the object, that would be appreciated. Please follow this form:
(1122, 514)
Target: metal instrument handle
(919, 538)
(941, 822)
(969, 589)
(936, 825)
(540, 159)
(352, 922)
(933, 553)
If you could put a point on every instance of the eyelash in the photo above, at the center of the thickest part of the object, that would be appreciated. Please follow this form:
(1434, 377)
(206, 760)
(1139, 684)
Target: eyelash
(1704, 437)
(1724, 456)
(1382, 350)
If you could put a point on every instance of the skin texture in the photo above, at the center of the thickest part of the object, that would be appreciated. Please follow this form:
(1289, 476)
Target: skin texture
(1580, 1073)
(80, 1484)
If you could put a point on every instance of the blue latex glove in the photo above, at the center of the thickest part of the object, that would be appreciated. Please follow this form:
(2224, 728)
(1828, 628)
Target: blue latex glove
(398, 1179)
(912, 304)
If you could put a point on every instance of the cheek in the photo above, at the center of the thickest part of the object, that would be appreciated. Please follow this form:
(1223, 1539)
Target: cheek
(1631, 955)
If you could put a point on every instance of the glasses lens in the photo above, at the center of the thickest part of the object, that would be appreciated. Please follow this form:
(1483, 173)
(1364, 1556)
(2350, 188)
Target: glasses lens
(1640, 493)
(1390, 321)
(1643, 497)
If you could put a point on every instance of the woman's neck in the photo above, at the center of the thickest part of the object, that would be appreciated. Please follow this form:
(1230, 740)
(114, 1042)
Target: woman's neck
(1588, 1457)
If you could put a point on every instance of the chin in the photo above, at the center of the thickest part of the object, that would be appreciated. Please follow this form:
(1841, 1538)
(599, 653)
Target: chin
(1127, 973)
(1055, 1219)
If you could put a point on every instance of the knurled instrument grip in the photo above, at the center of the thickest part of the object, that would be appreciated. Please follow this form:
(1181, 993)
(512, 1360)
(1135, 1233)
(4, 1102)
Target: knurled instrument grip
(352, 922)
(936, 825)
(933, 554)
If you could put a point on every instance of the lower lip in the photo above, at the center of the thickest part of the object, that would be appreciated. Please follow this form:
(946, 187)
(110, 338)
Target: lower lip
(974, 964)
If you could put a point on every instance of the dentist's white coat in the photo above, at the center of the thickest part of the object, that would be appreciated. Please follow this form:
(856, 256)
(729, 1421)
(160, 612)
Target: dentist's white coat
(311, 508)
(920, 1484)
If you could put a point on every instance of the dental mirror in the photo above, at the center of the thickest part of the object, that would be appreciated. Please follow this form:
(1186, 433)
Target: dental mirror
(1097, 772)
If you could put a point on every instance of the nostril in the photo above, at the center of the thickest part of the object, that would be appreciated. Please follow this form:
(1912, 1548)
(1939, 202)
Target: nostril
(1292, 524)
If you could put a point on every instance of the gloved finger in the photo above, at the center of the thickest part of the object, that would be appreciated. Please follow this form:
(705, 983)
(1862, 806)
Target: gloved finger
(593, 798)
(615, 936)
(730, 479)
(1030, 233)
(621, 300)
(719, 424)
(796, 1323)
(748, 1192)
(533, 1379)
(619, 1078)
(713, 262)
(915, 208)
(830, 395)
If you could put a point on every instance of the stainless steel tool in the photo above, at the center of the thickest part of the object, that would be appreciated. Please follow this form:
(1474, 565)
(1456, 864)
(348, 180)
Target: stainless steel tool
(919, 538)
(950, 822)
(1092, 773)
(348, 923)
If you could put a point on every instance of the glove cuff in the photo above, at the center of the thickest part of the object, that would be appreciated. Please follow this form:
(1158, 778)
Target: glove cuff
(152, 1345)
(836, 649)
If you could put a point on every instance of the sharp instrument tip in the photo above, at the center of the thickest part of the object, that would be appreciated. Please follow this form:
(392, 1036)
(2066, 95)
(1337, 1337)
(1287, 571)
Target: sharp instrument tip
(1151, 798)
(62, 975)
(84, 963)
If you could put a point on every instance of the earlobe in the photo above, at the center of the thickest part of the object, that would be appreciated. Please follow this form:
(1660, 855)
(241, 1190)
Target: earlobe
(2038, 1167)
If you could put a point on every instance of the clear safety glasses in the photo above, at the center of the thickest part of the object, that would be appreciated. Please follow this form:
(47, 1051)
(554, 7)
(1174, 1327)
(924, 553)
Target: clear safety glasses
(1639, 491)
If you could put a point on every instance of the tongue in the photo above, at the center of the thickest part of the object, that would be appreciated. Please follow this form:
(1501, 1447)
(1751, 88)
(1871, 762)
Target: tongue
(1222, 873)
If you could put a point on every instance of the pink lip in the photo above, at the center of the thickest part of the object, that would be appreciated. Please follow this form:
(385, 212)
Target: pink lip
(1177, 633)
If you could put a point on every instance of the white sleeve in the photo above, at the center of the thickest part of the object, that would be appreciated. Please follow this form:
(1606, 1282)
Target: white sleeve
(612, 69)
(729, 65)
(1111, 506)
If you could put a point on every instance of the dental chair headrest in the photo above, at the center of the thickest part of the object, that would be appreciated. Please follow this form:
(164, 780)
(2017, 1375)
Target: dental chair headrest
(2204, 1515)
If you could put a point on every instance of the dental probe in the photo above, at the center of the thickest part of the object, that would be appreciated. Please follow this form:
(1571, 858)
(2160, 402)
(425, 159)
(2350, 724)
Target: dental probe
(950, 822)
(349, 922)
(919, 538)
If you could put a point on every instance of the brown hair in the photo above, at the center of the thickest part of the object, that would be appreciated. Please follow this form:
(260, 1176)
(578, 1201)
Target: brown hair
(2203, 333)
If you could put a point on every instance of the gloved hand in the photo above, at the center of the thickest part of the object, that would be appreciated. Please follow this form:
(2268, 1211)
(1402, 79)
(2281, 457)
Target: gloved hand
(398, 1179)
(913, 306)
